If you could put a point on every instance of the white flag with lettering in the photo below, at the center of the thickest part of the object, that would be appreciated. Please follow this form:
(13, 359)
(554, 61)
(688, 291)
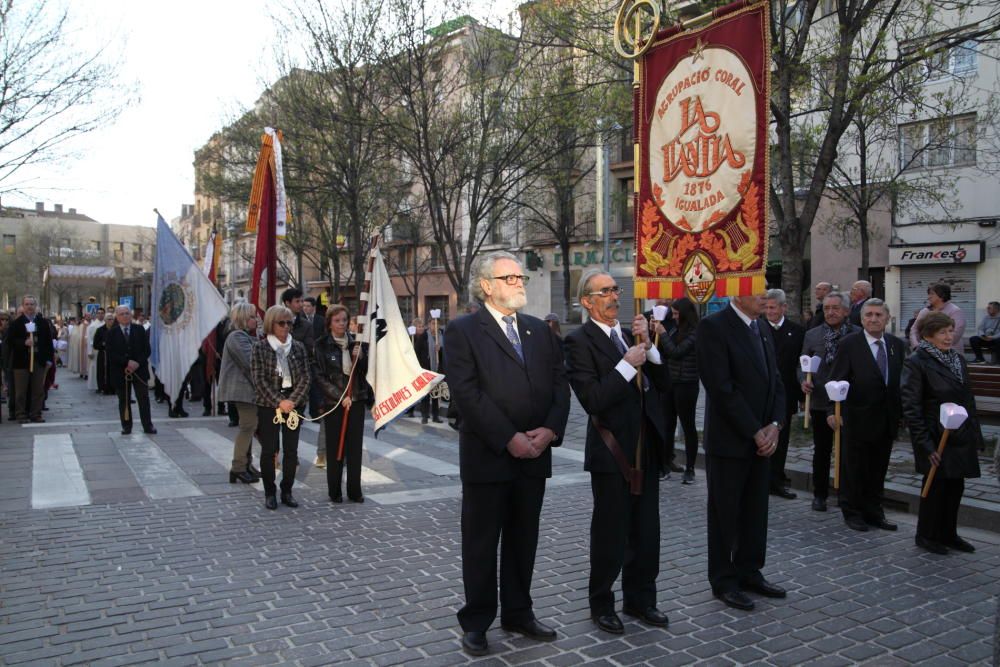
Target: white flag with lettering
(394, 373)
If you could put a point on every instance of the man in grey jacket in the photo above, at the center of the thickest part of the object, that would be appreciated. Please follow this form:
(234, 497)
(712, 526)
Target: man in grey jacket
(988, 335)
(822, 341)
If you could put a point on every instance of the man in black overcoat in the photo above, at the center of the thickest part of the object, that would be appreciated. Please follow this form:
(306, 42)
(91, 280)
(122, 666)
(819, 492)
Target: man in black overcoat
(505, 371)
(788, 337)
(872, 361)
(128, 365)
(28, 331)
(744, 412)
(603, 363)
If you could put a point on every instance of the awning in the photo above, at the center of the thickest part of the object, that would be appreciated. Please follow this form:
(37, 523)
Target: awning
(80, 275)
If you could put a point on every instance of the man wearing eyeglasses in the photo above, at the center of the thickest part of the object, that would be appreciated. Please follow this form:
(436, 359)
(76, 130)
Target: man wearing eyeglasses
(744, 412)
(506, 375)
(617, 376)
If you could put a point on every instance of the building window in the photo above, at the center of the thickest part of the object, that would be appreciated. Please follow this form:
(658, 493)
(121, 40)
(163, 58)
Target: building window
(958, 60)
(9, 243)
(406, 308)
(622, 222)
(944, 142)
(95, 246)
(437, 257)
(137, 252)
(120, 251)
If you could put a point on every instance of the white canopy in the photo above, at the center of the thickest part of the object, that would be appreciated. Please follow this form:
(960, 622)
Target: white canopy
(80, 275)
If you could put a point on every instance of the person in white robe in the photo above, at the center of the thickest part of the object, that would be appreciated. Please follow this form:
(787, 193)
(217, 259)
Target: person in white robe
(73, 358)
(92, 356)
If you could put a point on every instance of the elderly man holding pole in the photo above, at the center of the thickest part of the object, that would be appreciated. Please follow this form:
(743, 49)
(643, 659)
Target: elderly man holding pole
(618, 376)
(31, 351)
(128, 368)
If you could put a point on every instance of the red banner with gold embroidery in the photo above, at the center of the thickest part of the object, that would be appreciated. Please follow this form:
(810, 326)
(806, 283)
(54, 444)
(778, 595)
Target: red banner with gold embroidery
(701, 124)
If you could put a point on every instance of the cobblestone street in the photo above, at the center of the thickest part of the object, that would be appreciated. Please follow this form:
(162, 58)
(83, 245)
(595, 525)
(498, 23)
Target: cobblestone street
(183, 568)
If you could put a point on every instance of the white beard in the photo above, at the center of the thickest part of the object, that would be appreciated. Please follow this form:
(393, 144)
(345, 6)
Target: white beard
(516, 302)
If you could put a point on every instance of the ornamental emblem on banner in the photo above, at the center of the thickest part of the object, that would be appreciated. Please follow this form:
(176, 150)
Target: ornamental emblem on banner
(175, 304)
(699, 277)
(702, 138)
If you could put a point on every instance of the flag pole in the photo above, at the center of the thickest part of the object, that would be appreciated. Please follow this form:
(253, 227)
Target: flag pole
(373, 247)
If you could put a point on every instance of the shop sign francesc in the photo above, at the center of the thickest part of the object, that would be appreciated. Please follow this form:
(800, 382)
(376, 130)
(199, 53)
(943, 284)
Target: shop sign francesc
(961, 253)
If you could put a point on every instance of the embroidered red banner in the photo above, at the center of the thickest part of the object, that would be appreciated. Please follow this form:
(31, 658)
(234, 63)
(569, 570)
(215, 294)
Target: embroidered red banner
(701, 123)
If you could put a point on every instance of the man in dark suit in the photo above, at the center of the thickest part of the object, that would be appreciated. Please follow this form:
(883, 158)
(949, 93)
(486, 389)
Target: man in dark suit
(861, 291)
(429, 347)
(872, 361)
(29, 332)
(128, 364)
(787, 344)
(506, 373)
(744, 412)
(603, 362)
(820, 292)
(823, 342)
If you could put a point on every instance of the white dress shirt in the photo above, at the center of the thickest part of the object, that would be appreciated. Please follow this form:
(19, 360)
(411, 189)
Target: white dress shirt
(627, 370)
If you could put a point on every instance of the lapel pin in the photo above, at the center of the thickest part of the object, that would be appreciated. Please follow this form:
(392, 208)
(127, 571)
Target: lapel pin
(528, 332)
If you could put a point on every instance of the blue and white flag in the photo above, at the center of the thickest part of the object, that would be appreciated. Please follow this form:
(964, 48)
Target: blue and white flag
(186, 308)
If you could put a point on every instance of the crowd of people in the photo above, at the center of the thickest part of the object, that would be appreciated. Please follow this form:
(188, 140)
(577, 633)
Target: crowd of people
(509, 377)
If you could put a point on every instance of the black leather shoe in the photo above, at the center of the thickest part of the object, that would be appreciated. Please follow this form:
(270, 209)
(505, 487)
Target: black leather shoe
(736, 600)
(931, 545)
(287, 499)
(181, 413)
(883, 524)
(688, 477)
(819, 504)
(958, 544)
(423, 420)
(649, 616)
(126, 431)
(674, 467)
(206, 413)
(765, 588)
(149, 431)
(337, 498)
(610, 623)
(253, 471)
(784, 493)
(474, 643)
(359, 499)
(437, 420)
(533, 628)
(244, 477)
(173, 414)
(271, 503)
(855, 523)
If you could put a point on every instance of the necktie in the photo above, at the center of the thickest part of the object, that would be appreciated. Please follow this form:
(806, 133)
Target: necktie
(512, 336)
(758, 343)
(125, 331)
(882, 360)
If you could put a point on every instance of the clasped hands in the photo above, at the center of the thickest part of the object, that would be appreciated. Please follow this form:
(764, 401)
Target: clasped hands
(766, 440)
(530, 444)
(131, 366)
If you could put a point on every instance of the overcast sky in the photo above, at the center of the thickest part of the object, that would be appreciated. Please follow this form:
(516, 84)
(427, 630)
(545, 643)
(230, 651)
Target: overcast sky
(196, 63)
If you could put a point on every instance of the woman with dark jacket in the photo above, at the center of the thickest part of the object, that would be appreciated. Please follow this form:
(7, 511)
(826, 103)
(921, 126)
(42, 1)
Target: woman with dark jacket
(236, 388)
(340, 360)
(677, 347)
(934, 374)
(279, 366)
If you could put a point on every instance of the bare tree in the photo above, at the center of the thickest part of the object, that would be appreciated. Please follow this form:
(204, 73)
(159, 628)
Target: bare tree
(51, 92)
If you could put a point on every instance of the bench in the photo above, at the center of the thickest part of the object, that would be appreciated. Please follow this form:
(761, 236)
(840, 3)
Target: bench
(986, 389)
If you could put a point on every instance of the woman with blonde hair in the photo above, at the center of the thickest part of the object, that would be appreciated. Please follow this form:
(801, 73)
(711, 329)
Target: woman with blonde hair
(236, 388)
(279, 367)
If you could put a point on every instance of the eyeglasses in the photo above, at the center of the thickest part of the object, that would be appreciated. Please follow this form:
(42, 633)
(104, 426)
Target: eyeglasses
(512, 278)
(284, 323)
(606, 291)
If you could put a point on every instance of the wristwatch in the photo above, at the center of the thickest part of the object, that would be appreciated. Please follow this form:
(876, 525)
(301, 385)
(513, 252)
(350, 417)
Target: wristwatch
(776, 425)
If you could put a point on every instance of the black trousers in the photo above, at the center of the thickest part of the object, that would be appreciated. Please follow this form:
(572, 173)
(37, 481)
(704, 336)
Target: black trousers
(124, 390)
(624, 539)
(737, 520)
(353, 438)
(865, 463)
(504, 514)
(28, 391)
(268, 433)
(937, 519)
(781, 451)
(431, 405)
(679, 403)
(822, 451)
(978, 344)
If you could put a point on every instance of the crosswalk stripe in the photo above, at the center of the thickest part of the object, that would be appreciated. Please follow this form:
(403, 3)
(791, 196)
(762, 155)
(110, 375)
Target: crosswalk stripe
(400, 455)
(455, 490)
(56, 475)
(158, 475)
(217, 447)
(101, 422)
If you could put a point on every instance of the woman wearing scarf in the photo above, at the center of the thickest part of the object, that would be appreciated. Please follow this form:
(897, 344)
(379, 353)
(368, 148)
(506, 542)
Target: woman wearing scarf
(934, 374)
(939, 301)
(337, 353)
(281, 382)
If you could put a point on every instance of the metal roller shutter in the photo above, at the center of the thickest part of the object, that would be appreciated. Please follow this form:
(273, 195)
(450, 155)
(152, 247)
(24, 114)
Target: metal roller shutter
(916, 280)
